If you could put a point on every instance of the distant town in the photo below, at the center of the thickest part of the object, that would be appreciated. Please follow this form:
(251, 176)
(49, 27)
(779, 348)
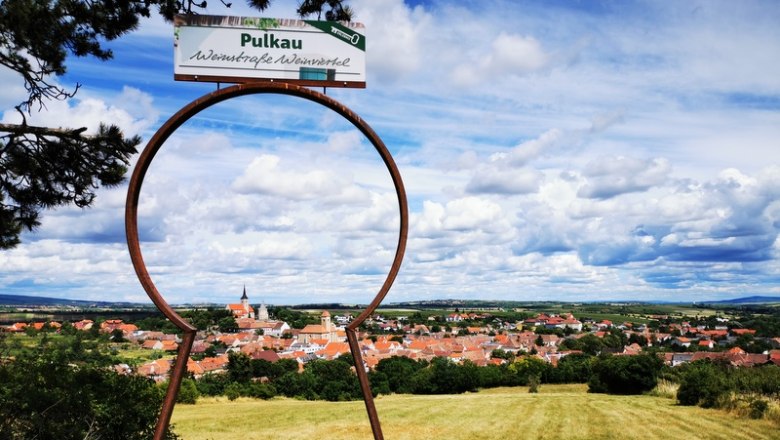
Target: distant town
(482, 336)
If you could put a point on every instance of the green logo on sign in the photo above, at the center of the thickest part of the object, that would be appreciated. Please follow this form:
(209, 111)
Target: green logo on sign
(343, 33)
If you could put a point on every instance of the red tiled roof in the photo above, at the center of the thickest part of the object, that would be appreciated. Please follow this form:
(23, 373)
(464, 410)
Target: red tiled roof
(743, 331)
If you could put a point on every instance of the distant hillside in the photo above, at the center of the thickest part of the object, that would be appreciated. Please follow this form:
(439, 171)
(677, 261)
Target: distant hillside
(748, 300)
(22, 300)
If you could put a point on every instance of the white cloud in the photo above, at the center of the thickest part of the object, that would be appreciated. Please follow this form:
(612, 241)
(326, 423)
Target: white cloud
(344, 141)
(134, 113)
(529, 150)
(509, 55)
(613, 176)
(12, 92)
(393, 33)
(463, 214)
(382, 215)
(264, 176)
(507, 181)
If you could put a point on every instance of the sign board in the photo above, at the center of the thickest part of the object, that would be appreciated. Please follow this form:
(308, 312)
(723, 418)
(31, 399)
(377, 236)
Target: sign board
(248, 49)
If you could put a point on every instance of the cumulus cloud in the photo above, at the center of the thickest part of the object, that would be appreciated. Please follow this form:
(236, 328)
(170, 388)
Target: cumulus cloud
(393, 34)
(344, 141)
(531, 149)
(509, 55)
(382, 215)
(728, 219)
(12, 92)
(613, 176)
(462, 214)
(258, 245)
(264, 176)
(506, 172)
(506, 181)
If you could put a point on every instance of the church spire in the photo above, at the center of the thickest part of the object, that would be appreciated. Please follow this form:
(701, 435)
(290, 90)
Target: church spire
(243, 297)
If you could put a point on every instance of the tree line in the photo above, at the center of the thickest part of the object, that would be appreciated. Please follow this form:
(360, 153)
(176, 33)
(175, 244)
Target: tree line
(718, 385)
(335, 380)
(704, 383)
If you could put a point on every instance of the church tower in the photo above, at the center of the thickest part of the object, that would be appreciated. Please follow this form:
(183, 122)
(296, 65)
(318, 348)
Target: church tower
(242, 309)
(245, 299)
(262, 314)
(325, 321)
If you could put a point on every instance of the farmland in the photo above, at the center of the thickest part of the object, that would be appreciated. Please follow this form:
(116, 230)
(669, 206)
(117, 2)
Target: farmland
(561, 411)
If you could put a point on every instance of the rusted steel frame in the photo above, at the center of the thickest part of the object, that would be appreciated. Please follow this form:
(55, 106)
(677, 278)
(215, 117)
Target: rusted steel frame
(131, 227)
(365, 386)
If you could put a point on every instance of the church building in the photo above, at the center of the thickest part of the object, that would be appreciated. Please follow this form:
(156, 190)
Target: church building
(242, 310)
(325, 330)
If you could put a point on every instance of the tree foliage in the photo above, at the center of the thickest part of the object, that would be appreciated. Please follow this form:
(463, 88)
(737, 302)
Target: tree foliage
(50, 393)
(711, 384)
(702, 383)
(44, 168)
(398, 372)
(239, 367)
(334, 10)
(625, 374)
(443, 376)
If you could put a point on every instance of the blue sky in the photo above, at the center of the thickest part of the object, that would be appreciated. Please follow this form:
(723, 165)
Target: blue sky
(550, 151)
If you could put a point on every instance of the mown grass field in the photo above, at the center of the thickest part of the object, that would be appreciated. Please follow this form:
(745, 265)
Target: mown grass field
(557, 412)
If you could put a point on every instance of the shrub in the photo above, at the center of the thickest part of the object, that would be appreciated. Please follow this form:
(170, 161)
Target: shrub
(625, 374)
(188, 392)
(533, 383)
(48, 395)
(259, 390)
(233, 391)
(702, 383)
(758, 408)
(212, 384)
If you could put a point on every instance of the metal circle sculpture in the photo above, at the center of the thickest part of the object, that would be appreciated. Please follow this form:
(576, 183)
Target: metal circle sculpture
(131, 228)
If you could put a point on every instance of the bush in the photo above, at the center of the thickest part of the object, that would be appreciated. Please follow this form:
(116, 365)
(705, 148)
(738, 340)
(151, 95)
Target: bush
(533, 383)
(398, 372)
(574, 368)
(443, 376)
(259, 390)
(233, 391)
(334, 380)
(212, 384)
(47, 395)
(702, 383)
(188, 392)
(758, 408)
(299, 385)
(526, 367)
(625, 374)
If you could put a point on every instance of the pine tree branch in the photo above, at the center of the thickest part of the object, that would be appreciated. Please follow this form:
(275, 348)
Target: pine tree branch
(20, 129)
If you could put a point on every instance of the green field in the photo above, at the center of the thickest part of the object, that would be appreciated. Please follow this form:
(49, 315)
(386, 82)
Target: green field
(558, 412)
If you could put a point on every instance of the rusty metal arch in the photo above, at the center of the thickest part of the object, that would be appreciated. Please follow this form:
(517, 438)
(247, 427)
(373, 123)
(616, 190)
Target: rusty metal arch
(189, 331)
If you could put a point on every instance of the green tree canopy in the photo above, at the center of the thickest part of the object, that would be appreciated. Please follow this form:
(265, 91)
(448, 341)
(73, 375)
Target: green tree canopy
(625, 374)
(51, 393)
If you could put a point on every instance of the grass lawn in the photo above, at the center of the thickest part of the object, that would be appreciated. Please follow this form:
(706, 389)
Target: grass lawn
(557, 412)
(135, 354)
